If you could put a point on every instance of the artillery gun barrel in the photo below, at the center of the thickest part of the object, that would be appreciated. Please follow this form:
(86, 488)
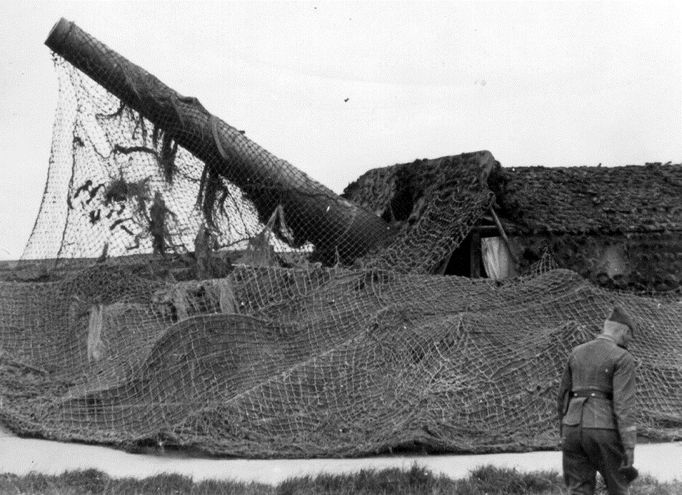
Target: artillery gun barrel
(313, 212)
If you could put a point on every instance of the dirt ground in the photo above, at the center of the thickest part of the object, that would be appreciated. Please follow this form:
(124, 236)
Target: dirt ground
(20, 456)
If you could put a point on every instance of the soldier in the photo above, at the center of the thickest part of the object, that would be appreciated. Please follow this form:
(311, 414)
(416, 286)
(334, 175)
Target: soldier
(597, 410)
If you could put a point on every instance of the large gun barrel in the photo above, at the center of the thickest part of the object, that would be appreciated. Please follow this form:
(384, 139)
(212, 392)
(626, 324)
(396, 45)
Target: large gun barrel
(336, 227)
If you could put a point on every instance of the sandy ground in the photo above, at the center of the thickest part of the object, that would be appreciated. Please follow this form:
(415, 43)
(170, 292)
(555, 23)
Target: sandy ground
(20, 456)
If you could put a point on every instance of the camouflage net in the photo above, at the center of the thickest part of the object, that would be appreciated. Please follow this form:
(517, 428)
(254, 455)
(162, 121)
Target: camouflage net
(240, 308)
(277, 362)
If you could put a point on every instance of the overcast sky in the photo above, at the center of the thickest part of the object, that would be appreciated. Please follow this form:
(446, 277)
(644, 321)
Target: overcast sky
(337, 88)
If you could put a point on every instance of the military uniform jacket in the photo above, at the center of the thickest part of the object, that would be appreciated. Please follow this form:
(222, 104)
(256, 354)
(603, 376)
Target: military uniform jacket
(600, 365)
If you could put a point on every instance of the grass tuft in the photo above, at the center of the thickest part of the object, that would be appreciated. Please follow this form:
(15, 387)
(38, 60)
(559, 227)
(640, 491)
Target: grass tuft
(86, 481)
(416, 480)
(492, 480)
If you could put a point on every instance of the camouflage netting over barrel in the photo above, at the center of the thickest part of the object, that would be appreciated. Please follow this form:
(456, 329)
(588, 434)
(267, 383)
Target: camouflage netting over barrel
(196, 291)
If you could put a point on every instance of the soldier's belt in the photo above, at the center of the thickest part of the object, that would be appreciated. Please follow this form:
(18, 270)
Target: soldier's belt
(592, 393)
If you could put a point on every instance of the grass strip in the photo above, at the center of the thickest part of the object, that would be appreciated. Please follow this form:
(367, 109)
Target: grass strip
(417, 480)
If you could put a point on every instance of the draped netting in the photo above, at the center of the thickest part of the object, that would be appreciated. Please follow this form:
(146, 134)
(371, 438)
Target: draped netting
(274, 362)
(189, 289)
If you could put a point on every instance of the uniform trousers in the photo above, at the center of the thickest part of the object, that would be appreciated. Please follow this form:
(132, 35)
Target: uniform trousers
(588, 450)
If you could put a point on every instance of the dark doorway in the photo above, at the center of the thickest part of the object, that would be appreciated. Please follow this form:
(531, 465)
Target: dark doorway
(466, 260)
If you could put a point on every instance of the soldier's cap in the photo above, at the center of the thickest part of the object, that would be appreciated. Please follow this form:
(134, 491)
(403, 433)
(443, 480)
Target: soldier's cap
(619, 315)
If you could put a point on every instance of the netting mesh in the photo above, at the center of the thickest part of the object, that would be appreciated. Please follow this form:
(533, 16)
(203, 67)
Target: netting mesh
(119, 185)
(328, 336)
(324, 362)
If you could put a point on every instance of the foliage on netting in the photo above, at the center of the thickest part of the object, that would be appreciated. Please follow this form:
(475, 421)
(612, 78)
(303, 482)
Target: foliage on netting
(435, 204)
(327, 337)
(315, 362)
(547, 262)
(120, 185)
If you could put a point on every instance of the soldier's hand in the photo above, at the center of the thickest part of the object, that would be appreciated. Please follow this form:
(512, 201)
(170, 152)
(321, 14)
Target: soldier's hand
(629, 471)
(629, 457)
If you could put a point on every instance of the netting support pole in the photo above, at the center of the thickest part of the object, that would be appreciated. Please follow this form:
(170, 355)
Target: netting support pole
(475, 254)
(315, 213)
(504, 236)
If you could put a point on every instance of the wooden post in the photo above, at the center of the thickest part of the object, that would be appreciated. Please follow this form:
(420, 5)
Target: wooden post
(504, 236)
(95, 323)
(475, 254)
